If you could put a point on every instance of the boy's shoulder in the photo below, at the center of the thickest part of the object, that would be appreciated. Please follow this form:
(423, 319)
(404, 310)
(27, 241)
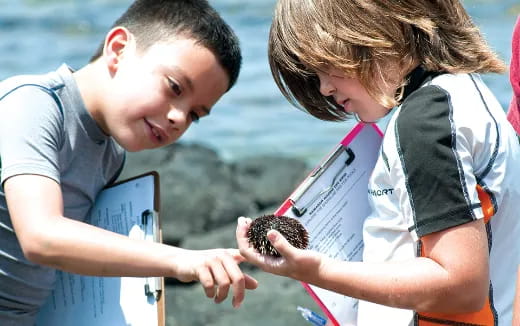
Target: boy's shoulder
(35, 90)
(49, 80)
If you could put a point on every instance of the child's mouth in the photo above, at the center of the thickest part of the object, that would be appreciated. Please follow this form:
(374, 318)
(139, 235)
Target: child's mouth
(155, 133)
(347, 106)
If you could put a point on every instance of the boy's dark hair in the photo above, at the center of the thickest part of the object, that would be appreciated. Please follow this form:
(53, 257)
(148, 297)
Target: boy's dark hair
(153, 21)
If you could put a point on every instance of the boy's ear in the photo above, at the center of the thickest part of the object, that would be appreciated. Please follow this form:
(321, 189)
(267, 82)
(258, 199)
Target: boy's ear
(117, 40)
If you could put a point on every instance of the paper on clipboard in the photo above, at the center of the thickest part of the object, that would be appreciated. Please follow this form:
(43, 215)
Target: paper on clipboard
(129, 207)
(332, 204)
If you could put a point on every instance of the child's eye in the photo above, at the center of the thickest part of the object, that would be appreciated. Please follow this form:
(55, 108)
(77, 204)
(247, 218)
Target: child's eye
(174, 87)
(194, 117)
(336, 75)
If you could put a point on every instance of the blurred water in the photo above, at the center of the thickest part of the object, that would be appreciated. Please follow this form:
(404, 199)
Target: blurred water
(253, 118)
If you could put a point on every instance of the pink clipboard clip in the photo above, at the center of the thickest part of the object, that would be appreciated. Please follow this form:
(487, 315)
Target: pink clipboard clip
(300, 208)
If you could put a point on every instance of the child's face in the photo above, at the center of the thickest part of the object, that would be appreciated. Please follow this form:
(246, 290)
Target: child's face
(351, 95)
(156, 95)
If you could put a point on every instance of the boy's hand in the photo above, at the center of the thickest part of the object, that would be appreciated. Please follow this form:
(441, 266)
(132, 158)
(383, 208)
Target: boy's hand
(303, 265)
(216, 270)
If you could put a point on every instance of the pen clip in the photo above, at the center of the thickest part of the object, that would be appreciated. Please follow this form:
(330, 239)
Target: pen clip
(299, 211)
(150, 221)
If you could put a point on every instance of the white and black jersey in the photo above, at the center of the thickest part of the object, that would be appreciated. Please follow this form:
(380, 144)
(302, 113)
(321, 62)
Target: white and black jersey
(448, 157)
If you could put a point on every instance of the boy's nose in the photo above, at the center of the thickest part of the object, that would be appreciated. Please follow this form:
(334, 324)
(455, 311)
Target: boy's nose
(177, 117)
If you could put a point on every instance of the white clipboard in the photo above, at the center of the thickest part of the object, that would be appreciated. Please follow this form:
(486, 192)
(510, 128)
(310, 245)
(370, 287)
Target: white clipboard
(332, 203)
(129, 207)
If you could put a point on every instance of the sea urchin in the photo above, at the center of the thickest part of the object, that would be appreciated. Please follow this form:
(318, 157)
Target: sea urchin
(289, 227)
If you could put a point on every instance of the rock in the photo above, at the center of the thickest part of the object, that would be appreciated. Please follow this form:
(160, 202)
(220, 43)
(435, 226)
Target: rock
(222, 237)
(274, 302)
(270, 179)
(200, 192)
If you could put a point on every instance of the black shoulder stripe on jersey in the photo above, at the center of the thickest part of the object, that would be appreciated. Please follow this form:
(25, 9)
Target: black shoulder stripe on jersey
(426, 143)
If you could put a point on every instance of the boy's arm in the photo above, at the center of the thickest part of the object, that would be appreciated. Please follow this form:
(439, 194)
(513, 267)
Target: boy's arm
(48, 238)
(454, 279)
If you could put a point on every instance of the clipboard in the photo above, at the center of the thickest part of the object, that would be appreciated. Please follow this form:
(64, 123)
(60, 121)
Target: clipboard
(332, 203)
(129, 207)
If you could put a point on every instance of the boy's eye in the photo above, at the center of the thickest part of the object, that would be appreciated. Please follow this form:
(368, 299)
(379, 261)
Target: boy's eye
(194, 117)
(174, 87)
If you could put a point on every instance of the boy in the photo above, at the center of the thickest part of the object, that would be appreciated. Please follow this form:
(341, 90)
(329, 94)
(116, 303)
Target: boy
(162, 66)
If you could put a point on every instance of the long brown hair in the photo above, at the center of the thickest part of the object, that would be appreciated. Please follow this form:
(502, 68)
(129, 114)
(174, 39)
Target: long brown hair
(362, 37)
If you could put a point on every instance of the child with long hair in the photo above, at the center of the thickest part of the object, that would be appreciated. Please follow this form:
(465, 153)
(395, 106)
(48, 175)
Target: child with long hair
(442, 248)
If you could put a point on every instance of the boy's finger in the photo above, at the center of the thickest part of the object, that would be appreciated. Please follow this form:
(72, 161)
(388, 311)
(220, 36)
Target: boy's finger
(206, 280)
(237, 280)
(236, 255)
(221, 278)
(251, 283)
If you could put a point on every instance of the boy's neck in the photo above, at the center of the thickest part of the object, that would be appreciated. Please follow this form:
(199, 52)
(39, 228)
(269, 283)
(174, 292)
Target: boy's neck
(92, 84)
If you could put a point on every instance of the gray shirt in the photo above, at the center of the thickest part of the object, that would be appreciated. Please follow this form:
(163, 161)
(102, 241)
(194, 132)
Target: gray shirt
(46, 130)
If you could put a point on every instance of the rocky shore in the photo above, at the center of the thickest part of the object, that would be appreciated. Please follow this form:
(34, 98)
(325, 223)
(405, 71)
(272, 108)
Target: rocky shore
(201, 198)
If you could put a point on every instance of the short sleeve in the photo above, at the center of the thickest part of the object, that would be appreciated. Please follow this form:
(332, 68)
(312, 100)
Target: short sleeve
(437, 164)
(31, 133)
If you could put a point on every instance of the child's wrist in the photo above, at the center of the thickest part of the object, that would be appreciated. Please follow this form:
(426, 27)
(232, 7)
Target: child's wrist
(175, 259)
(314, 272)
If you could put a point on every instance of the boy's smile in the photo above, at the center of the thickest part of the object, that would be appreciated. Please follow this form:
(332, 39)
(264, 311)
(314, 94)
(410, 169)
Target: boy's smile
(156, 133)
(151, 97)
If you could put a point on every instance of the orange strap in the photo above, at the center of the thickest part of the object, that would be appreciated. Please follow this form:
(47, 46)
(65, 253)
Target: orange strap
(487, 205)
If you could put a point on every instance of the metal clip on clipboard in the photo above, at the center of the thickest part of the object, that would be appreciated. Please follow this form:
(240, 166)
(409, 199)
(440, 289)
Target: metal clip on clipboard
(150, 222)
(300, 209)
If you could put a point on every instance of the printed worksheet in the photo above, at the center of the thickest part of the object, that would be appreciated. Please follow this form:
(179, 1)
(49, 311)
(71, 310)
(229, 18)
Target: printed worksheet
(77, 300)
(332, 204)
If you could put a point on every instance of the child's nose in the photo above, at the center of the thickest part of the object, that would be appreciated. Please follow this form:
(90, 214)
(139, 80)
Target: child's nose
(326, 87)
(177, 117)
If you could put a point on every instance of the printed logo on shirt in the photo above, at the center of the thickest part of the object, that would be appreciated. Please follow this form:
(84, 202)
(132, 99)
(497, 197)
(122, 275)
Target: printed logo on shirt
(381, 192)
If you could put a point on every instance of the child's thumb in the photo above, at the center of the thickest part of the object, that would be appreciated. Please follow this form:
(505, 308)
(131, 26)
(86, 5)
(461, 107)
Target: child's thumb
(280, 243)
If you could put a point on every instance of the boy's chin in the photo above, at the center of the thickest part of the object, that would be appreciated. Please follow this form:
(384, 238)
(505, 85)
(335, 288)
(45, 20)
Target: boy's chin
(133, 147)
(130, 145)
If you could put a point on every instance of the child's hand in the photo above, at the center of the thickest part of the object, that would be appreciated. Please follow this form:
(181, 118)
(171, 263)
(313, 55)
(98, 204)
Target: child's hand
(216, 270)
(296, 263)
